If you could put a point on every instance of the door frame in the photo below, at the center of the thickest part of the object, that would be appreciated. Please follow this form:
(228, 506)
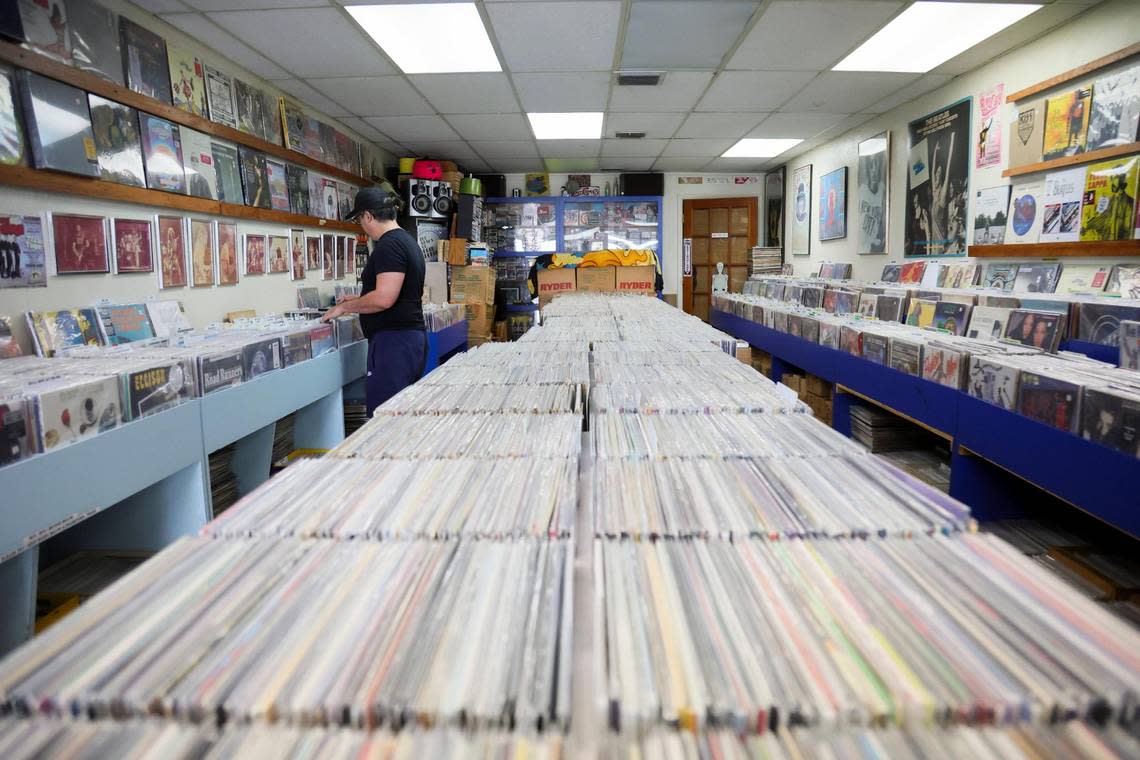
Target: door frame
(690, 204)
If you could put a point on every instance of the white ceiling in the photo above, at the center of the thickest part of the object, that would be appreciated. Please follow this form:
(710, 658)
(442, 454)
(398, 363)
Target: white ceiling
(733, 68)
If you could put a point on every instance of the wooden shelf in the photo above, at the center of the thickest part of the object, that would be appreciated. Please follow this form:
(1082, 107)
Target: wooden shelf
(1080, 158)
(1105, 248)
(39, 179)
(27, 59)
(1077, 73)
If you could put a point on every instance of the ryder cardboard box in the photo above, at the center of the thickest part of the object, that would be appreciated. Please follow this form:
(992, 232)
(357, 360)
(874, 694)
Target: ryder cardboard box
(637, 280)
(597, 279)
(555, 282)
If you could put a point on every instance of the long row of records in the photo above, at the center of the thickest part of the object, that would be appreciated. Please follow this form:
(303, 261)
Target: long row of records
(1071, 278)
(195, 251)
(82, 33)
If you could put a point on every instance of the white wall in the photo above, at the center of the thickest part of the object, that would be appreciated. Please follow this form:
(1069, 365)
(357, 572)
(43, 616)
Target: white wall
(1103, 30)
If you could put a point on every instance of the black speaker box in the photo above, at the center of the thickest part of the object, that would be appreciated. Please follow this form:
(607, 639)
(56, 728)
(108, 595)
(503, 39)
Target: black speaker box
(494, 185)
(641, 183)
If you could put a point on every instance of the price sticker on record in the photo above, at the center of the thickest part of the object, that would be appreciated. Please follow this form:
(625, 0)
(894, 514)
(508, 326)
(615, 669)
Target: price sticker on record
(687, 257)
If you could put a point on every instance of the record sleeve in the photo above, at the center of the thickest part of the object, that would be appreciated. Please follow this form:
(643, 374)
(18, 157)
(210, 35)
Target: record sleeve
(278, 186)
(1108, 206)
(297, 348)
(162, 150)
(117, 141)
(875, 348)
(260, 357)
(227, 169)
(45, 27)
(23, 263)
(891, 273)
(220, 369)
(124, 323)
(942, 365)
(931, 276)
(1035, 328)
(890, 308)
(271, 116)
(1026, 134)
(1124, 281)
(990, 207)
(1111, 417)
(227, 253)
(1082, 278)
(1026, 212)
(1061, 221)
(1130, 344)
(312, 138)
(1000, 276)
(45, 103)
(293, 123)
(1099, 322)
(921, 312)
(253, 254)
(912, 271)
(1067, 123)
(851, 340)
(1115, 109)
(952, 317)
(15, 428)
(171, 252)
(868, 303)
(988, 323)
(166, 318)
(322, 339)
(144, 60)
(66, 328)
(1052, 400)
(994, 381)
(95, 40)
(12, 150)
(79, 243)
(278, 254)
(187, 80)
(255, 178)
(906, 356)
(220, 97)
(202, 253)
(156, 388)
(297, 183)
(330, 208)
(198, 160)
(1037, 278)
(250, 108)
(72, 409)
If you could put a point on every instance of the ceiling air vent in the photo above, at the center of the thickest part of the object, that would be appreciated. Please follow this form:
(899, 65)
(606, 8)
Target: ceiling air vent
(629, 135)
(639, 78)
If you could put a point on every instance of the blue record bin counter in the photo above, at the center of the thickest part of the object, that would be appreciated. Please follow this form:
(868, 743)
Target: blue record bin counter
(988, 444)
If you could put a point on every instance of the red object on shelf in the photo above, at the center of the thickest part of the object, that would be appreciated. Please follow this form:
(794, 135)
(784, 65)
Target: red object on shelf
(427, 170)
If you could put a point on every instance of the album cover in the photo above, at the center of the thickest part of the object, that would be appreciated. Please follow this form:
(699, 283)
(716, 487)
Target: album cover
(1115, 109)
(990, 207)
(931, 276)
(328, 142)
(23, 261)
(250, 108)
(322, 339)
(53, 331)
(45, 102)
(144, 59)
(809, 329)
(1130, 344)
(227, 170)
(171, 252)
(1082, 278)
(1062, 216)
(346, 197)
(952, 317)
(811, 297)
(293, 122)
(1051, 400)
(829, 335)
(132, 243)
(1124, 281)
(993, 382)
(124, 323)
(1066, 123)
(278, 187)
(920, 313)
(312, 139)
(328, 257)
(794, 325)
(15, 428)
(254, 254)
(906, 356)
(868, 303)
(1026, 134)
(297, 183)
(911, 272)
(79, 243)
(801, 211)
(227, 253)
(12, 150)
(297, 348)
(162, 149)
(1035, 328)
(72, 409)
(1000, 302)
(1037, 278)
(891, 273)
(308, 298)
(875, 348)
(297, 254)
(254, 178)
(313, 256)
(166, 318)
(889, 308)
(221, 369)
(829, 299)
(851, 340)
(45, 27)
(1109, 203)
(278, 257)
(1025, 212)
(117, 141)
(202, 254)
(344, 151)
(963, 275)
(348, 330)
(94, 35)
(938, 181)
(187, 80)
(942, 365)
(1111, 417)
(1000, 276)
(988, 323)
(271, 119)
(198, 158)
(260, 357)
(156, 388)
(1099, 322)
(330, 208)
(220, 97)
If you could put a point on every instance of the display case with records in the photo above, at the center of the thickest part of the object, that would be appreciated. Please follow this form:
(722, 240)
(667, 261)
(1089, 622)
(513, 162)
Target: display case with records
(45, 102)
(162, 151)
(117, 141)
(144, 60)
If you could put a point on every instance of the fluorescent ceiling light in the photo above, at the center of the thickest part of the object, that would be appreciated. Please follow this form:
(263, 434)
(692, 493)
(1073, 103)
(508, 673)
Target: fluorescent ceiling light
(430, 38)
(929, 33)
(583, 125)
(761, 147)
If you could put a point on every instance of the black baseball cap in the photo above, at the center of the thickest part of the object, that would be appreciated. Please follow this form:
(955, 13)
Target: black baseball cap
(375, 198)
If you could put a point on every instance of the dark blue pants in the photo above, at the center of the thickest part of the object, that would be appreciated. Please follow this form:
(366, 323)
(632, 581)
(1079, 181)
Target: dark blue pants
(396, 359)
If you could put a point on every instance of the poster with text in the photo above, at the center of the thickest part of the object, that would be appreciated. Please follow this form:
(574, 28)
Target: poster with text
(801, 211)
(988, 146)
(938, 182)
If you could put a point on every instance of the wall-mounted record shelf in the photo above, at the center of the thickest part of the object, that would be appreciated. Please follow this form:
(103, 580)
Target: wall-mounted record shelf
(42, 179)
(1077, 73)
(1080, 158)
(27, 59)
(1076, 249)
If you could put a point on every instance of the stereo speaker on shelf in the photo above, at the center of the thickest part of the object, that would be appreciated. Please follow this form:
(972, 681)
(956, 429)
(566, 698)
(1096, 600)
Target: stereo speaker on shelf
(442, 203)
(418, 198)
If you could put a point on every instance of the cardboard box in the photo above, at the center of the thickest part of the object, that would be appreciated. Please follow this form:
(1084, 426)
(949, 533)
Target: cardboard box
(637, 280)
(501, 330)
(473, 285)
(555, 282)
(597, 279)
(480, 318)
(457, 252)
(818, 386)
(435, 282)
(743, 352)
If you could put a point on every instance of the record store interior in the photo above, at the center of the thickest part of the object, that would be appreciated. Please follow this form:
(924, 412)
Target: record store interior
(543, 379)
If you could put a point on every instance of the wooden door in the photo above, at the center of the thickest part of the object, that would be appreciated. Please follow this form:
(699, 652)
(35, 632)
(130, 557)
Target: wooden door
(724, 230)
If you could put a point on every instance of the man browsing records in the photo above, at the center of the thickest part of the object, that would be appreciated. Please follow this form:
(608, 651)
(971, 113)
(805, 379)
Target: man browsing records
(392, 288)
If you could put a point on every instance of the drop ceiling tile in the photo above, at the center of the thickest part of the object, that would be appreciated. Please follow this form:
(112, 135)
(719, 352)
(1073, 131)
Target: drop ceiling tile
(516, 165)
(810, 34)
(678, 91)
(163, 6)
(906, 94)
(208, 33)
(556, 36)
(495, 149)
(791, 124)
(558, 92)
(652, 124)
(847, 91)
(311, 98)
(500, 126)
(310, 42)
(447, 150)
(365, 129)
(406, 129)
(628, 163)
(467, 93)
(646, 147)
(697, 148)
(753, 90)
(676, 164)
(572, 165)
(665, 34)
(569, 148)
(374, 96)
(724, 125)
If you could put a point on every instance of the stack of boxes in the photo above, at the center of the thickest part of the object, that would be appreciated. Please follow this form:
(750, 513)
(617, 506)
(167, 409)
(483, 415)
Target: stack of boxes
(812, 390)
(556, 282)
(474, 287)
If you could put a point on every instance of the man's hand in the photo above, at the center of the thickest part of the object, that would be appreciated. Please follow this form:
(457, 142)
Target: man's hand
(333, 313)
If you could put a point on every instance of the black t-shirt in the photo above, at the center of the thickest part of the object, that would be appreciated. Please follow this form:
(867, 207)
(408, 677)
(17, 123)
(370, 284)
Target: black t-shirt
(395, 251)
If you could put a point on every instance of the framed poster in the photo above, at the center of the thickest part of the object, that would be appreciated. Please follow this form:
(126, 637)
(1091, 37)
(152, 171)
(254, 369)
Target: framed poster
(988, 143)
(227, 253)
(297, 254)
(774, 208)
(278, 254)
(133, 243)
(312, 252)
(254, 254)
(79, 243)
(801, 211)
(172, 251)
(938, 182)
(874, 193)
(833, 205)
(202, 253)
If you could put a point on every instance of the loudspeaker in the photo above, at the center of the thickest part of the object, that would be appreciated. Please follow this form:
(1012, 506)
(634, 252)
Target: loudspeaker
(442, 205)
(641, 183)
(494, 185)
(418, 198)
